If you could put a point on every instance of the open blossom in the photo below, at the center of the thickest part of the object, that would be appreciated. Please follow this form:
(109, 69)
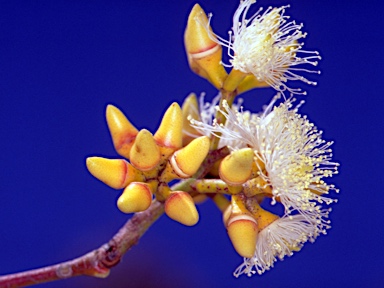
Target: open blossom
(279, 239)
(296, 159)
(207, 114)
(267, 46)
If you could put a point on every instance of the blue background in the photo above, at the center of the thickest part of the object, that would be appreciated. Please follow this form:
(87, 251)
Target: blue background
(62, 62)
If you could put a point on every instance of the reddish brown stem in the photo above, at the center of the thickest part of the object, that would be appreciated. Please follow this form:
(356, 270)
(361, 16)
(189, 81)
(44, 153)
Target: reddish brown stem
(95, 263)
(98, 262)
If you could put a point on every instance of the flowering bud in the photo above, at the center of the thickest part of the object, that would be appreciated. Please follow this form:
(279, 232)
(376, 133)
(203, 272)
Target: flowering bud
(123, 133)
(204, 54)
(241, 226)
(242, 230)
(190, 110)
(116, 173)
(145, 154)
(267, 46)
(136, 197)
(181, 208)
(169, 132)
(236, 168)
(186, 161)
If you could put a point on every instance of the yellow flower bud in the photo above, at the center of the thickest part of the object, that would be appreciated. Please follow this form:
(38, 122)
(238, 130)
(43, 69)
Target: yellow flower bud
(181, 208)
(145, 154)
(190, 110)
(203, 52)
(236, 168)
(243, 230)
(186, 161)
(241, 226)
(169, 132)
(116, 173)
(123, 133)
(136, 197)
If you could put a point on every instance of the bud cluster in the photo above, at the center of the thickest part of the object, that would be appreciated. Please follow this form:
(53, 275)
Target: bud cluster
(154, 161)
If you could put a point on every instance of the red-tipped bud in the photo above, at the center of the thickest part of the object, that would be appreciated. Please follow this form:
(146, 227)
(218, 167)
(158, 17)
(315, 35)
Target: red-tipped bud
(186, 161)
(180, 207)
(204, 54)
(136, 197)
(123, 133)
(145, 154)
(169, 133)
(116, 173)
(242, 230)
(236, 168)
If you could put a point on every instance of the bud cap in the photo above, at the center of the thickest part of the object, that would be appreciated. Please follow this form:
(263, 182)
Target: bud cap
(136, 197)
(145, 154)
(236, 168)
(169, 133)
(187, 160)
(123, 133)
(242, 230)
(181, 208)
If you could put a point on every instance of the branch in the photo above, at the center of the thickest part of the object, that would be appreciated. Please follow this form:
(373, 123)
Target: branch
(98, 262)
(95, 263)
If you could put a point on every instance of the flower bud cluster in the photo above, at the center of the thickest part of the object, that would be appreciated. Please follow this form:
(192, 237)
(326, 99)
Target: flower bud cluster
(154, 161)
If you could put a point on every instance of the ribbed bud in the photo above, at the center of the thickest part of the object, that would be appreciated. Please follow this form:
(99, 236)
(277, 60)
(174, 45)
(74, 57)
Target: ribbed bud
(145, 153)
(181, 208)
(190, 110)
(186, 161)
(236, 168)
(242, 230)
(169, 133)
(123, 133)
(204, 54)
(116, 173)
(136, 197)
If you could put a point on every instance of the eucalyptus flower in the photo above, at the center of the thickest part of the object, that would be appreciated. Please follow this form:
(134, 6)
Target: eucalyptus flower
(296, 159)
(267, 45)
(207, 113)
(279, 239)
